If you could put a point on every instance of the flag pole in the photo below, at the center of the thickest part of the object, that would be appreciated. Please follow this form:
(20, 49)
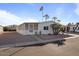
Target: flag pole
(42, 15)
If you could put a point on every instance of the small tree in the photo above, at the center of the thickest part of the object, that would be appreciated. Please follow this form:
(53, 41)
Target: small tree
(56, 28)
(63, 29)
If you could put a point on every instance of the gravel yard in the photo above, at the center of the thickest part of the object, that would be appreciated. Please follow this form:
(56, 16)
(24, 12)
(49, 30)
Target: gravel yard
(71, 47)
(13, 38)
(8, 38)
(52, 37)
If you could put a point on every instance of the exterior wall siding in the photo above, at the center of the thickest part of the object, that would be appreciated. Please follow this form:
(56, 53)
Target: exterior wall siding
(1, 29)
(36, 28)
(76, 30)
(41, 28)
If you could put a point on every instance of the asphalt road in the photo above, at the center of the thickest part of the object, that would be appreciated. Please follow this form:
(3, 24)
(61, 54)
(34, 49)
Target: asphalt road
(71, 48)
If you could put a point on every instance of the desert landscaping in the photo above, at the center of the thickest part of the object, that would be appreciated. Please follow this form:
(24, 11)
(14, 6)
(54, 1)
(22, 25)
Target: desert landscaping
(69, 48)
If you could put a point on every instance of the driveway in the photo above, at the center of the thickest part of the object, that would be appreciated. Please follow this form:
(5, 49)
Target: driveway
(13, 38)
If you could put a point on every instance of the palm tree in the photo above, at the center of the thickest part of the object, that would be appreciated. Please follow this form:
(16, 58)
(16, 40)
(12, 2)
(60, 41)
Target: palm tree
(59, 20)
(41, 9)
(54, 18)
(46, 16)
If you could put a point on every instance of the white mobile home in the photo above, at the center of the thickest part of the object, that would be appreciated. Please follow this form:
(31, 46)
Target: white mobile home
(35, 28)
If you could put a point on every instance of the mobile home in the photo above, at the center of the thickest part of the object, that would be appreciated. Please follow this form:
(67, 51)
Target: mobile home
(1, 29)
(35, 28)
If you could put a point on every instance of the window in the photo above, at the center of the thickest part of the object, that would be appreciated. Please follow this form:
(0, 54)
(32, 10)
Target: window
(78, 28)
(45, 27)
(26, 26)
(35, 26)
(30, 27)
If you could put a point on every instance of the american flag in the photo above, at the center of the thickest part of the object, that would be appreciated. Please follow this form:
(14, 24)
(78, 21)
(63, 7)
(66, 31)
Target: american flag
(41, 8)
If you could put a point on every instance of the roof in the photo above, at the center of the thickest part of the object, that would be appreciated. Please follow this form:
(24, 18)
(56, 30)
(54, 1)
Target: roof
(45, 21)
(35, 22)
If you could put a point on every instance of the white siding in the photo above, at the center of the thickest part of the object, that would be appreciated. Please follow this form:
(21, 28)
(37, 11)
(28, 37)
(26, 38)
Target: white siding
(76, 30)
(71, 29)
(26, 32)
(41, 28)
(1, 29)
(21, 29)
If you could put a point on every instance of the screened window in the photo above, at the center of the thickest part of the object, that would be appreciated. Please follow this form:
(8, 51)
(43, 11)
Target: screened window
(26, 26)
(35, 26)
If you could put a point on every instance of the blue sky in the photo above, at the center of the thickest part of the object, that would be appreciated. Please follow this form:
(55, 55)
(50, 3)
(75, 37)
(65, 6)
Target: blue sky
(16, 13)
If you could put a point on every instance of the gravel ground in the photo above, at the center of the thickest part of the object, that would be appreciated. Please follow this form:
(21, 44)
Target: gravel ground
(13, 38)
(8, 38)
(52, 37)
(71, 48)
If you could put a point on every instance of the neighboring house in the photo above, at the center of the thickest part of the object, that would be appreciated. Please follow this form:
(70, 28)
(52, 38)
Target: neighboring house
(1, 29)
(35, 28)
(74, 27)
(10, 28)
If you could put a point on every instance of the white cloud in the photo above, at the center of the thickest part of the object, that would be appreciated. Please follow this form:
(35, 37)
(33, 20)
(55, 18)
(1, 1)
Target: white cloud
(7, 18)
(77, 9)
(28, 20)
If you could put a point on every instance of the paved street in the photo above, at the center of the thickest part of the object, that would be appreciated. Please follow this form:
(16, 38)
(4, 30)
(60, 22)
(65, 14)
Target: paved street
(71, 48)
